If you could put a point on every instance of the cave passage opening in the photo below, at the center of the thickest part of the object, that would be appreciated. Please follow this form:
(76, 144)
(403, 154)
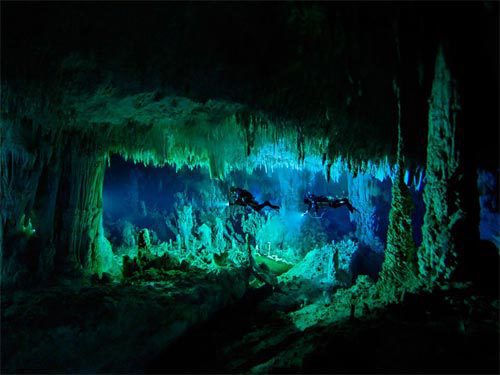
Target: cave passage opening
(186, 212)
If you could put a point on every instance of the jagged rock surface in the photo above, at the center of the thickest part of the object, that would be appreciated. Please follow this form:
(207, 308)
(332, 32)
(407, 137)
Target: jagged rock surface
(442, 246)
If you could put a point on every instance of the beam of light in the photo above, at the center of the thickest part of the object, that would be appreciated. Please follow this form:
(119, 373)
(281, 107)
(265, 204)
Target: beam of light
(221, 205)
(407, 177)
(312, 216)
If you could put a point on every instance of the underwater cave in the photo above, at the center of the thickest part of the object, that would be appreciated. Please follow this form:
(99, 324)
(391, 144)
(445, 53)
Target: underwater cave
(187, 212)
(283, 187)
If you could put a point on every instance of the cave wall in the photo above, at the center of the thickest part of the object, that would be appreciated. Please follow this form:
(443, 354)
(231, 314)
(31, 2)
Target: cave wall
(25, 151)
(51, 204)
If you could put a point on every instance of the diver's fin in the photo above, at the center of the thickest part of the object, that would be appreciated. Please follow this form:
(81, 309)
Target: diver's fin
(268, 204)
(351, 207)
(274, 207)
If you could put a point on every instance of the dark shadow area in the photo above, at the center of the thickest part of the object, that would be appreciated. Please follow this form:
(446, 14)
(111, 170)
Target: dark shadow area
(219, 344)
(366, 262)
(422, 335)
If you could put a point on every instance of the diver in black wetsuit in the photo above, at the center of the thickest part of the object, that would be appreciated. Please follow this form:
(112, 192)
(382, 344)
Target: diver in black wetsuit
(242, 197)
(315, 202)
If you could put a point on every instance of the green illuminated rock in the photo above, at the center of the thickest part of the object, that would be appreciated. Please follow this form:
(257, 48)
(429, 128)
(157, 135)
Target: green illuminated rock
(441, 249)
(398, 270)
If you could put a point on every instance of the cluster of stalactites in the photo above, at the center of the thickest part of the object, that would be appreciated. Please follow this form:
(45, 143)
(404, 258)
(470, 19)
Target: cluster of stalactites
(228, 145)
(156, 130)
(220, 136)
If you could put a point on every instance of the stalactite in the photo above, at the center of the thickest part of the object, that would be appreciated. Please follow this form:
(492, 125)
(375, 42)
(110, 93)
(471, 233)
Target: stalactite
(441, 248)
(218, 135)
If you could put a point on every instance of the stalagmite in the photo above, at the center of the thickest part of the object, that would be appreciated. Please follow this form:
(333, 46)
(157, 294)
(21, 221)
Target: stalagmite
(441, 249)
(398, 269)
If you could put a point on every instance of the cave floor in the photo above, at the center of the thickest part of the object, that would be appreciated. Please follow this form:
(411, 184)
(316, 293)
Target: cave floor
(198, 323)
(444, 333)
(107, 328)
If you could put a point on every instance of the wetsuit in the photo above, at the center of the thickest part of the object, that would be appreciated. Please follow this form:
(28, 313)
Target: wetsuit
(315, 202)
(242, 197)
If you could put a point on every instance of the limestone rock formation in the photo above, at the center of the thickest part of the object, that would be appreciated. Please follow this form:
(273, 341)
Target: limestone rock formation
(442, 248)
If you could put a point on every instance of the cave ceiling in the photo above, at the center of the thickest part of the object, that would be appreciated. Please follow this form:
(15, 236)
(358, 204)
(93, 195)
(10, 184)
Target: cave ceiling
(151, 80)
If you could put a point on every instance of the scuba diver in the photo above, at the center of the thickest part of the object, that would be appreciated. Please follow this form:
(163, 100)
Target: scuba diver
(242, 197)
(315, 202)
